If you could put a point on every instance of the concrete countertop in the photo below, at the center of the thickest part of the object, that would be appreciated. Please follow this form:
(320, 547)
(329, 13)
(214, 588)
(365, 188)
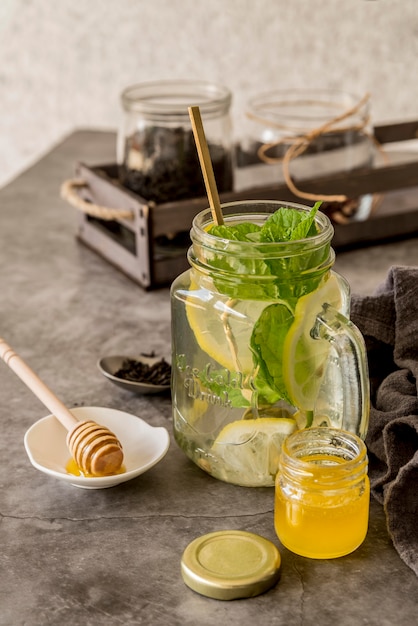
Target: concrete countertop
(71, 556)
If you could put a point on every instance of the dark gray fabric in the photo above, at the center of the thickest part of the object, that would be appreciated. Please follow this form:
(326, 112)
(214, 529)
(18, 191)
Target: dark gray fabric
(389, 322)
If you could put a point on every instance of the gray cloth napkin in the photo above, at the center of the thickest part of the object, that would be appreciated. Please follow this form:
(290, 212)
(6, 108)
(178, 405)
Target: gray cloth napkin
(389, 322)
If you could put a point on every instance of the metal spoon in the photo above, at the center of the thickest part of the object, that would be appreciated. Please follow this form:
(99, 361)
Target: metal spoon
(95, 449)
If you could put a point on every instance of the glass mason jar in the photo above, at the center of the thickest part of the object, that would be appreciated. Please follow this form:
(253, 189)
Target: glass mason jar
(156, 151)
(322, 493)
(262, 345)
(330, 130)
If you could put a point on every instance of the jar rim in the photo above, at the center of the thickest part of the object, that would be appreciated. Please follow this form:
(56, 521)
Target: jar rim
(259, 208)
(308, 441)
(173, 97)
(305, 107)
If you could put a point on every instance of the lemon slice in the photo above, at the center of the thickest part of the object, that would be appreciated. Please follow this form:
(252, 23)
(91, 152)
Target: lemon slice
(304, 358)
(223, 326)
(248, 449)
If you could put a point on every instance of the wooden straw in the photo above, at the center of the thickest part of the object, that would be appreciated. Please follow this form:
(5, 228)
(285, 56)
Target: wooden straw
(206, 164)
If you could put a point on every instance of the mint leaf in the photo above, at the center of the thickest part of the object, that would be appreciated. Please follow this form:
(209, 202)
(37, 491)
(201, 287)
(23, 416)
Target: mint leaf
(234, 264)
(307, 227)
(280, 225)
(236, 232)
(285, 224)
(267, 341)
(288, 280)
(288, 224)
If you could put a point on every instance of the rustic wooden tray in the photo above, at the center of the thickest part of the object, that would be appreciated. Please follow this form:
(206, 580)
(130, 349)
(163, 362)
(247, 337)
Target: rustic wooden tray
(150, 244)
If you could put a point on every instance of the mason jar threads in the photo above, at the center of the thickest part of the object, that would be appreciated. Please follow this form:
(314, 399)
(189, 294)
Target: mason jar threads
(322, 493)
(156, 151)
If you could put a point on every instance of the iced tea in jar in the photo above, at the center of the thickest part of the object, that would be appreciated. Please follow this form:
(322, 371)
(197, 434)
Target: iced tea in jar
(261, 340)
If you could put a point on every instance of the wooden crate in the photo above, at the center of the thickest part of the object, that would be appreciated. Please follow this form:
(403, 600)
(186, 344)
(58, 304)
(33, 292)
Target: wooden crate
(150, 245)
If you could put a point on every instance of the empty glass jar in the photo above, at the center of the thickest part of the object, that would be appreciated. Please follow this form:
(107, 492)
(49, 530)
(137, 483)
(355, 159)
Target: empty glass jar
(326, 132)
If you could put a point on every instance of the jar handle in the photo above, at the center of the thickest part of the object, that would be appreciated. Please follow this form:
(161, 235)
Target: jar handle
(348, 343)
(70, 192)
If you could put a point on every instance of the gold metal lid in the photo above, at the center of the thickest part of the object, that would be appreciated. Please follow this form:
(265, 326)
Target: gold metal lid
(230, 564)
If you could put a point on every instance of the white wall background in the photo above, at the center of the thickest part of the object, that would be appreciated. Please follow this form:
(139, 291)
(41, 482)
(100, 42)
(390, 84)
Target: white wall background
(63, 63)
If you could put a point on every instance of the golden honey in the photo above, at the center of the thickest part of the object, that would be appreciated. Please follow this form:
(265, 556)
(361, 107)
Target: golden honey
(72, 468)
(322, 493)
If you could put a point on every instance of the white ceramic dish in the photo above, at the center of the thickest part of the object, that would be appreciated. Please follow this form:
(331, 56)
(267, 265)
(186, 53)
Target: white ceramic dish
(109, 365)
(143, 446)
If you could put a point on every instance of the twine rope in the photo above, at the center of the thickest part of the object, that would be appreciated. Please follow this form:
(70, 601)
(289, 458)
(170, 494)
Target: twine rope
(70, 194)
(300, 143)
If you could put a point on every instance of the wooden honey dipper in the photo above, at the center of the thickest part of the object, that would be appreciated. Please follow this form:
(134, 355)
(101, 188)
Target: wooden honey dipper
(95, 449)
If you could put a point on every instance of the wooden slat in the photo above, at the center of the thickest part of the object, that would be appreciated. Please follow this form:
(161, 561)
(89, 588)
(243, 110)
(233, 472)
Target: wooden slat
(403, 131)
(396, 216)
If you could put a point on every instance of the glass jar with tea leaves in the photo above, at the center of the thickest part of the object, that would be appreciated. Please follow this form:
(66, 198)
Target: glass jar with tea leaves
(157, 156)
